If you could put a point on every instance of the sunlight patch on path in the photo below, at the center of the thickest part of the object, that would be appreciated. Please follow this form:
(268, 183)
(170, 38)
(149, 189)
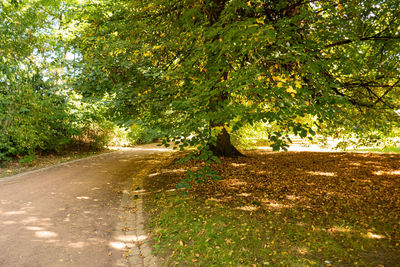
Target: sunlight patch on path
(130, 236)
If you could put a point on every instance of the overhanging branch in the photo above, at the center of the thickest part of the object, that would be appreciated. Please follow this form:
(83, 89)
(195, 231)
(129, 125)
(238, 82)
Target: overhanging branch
(343, 42)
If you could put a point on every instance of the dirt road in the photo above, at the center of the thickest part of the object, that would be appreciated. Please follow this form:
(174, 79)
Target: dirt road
(66, 215)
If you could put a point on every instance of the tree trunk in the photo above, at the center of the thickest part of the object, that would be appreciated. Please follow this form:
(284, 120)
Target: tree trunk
(224, 147)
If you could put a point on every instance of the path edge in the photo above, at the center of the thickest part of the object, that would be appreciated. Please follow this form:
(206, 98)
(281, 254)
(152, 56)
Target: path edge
(53, 166)
(137, 242)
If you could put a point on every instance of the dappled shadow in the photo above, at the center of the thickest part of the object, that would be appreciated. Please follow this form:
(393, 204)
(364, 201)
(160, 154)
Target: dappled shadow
(353, 196)
(70, 231)
(311, 181)
(67, 215)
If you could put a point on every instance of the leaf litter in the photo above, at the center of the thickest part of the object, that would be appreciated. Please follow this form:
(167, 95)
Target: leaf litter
(327, 208)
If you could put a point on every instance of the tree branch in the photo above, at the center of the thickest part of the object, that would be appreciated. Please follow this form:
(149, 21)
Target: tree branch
(387, 91)
(362, 39)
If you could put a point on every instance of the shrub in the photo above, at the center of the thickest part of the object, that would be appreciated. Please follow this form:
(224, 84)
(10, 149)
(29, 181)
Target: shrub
(249, 136)
(40, 120)
(92, 137)
(32, 121)
(138, 134)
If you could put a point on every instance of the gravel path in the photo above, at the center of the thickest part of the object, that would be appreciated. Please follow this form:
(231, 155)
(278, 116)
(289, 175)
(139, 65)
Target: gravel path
(82, 213)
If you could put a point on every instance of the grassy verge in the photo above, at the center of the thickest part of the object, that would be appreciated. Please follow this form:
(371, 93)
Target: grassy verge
(16, 166)
(383, 150)
(281, 209)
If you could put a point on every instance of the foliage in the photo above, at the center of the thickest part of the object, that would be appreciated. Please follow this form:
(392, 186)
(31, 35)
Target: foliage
(280, 209)
(43, 120)
(249, 136)
(93, 128)
(134, 135)
(36, 112)
(27, 111)
(200, 176)
(32, 121)
(364, 129)
(140, 134)
(206, 68)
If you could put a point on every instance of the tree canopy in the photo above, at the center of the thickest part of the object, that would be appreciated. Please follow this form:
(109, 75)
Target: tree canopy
(204, 68)
(200, 70)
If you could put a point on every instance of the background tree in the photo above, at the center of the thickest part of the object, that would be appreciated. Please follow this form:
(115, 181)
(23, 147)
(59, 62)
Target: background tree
(29, 111)
(37, 113)
(203, 68)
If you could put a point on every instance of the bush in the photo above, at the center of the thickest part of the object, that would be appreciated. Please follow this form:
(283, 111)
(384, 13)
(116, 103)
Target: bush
(32, 121)
(138, 134)
(134, 135)
(249, 136)
(92, 137)
(40, 120)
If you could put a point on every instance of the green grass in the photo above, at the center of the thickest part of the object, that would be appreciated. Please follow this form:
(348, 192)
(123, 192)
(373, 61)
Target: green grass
(383, 150)
(188, 231)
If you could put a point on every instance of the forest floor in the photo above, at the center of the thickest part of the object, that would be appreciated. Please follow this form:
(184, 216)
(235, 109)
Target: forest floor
(280, 209)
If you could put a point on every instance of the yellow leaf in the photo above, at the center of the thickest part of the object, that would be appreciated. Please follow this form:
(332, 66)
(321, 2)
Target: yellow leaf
(260, 21)
(227, 128)
(279, 84)
(290, 90)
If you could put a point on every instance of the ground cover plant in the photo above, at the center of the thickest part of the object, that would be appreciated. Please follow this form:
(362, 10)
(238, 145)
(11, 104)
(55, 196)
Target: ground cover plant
(280, 209)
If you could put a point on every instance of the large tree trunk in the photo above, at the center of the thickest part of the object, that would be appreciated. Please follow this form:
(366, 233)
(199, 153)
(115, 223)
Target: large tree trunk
(224, 147)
